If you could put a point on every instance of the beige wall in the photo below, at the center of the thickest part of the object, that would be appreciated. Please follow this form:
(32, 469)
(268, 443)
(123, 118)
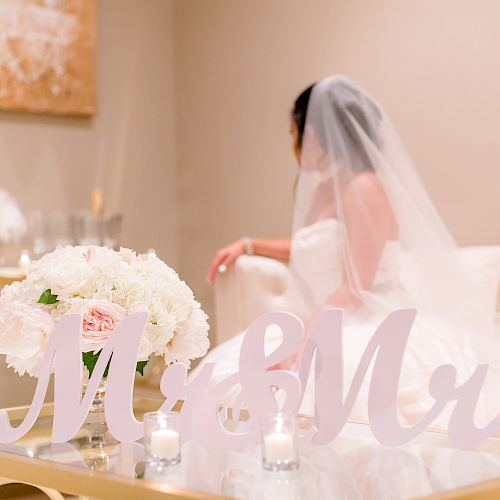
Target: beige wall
(434, 66)
(128, 148)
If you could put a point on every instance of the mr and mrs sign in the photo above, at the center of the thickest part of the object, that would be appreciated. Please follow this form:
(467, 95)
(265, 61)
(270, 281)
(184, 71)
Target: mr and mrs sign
(201, 417)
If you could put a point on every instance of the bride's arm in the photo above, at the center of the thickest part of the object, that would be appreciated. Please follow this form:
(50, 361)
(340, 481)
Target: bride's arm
(274, 249)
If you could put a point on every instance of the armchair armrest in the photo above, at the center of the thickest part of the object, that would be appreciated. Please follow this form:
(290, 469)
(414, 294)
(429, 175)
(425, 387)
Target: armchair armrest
(252, 286)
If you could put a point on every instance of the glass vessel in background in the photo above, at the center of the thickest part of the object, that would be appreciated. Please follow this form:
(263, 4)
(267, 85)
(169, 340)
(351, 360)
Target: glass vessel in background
(39, 232)
(87, 228)
(3, 251)
(60, 229)
(96, 229)
(49, 230)
(112, 229)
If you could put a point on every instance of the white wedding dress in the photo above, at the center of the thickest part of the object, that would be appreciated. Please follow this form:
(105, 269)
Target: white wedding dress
(316, 257)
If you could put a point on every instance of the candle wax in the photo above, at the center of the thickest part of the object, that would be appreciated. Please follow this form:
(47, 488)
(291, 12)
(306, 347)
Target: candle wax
(278, 446)
(165, 444)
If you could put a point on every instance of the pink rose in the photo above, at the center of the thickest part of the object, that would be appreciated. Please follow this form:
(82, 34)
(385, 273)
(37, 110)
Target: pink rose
(100, 318)
(99, 323)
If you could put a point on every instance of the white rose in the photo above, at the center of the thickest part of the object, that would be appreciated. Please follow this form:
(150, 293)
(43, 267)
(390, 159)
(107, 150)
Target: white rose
(65, 270)
(192, 341)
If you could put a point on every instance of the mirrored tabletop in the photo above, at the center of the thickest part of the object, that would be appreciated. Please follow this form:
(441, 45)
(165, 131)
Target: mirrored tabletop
(354, 466)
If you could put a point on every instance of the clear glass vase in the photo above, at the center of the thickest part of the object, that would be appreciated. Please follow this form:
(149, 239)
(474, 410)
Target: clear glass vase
(96, 410)
(95, 422)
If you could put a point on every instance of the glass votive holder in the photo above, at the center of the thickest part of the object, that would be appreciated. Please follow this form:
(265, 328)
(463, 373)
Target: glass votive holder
(162, 438)
(279, 451)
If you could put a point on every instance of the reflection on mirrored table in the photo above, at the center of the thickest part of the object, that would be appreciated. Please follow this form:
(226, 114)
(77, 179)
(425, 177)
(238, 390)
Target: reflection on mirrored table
(354, 466)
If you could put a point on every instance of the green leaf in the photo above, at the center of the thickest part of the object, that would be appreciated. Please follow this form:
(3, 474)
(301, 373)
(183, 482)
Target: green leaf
(105, 374)
(90, 360)
(47, 297)
(140, 366)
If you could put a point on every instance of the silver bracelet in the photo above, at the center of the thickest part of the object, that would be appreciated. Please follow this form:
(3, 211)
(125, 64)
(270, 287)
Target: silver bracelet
(248, 244)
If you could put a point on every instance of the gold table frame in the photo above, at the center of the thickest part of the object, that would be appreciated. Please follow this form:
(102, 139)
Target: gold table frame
(72, 480)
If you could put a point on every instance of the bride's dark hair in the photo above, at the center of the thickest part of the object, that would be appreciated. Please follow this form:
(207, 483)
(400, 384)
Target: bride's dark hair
(345, 111)
(299, 111)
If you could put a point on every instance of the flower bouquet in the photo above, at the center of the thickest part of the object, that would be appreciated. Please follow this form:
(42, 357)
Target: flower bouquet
(104, 286)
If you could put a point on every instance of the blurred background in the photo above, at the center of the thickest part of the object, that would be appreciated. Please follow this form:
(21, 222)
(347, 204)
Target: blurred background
(188, 146)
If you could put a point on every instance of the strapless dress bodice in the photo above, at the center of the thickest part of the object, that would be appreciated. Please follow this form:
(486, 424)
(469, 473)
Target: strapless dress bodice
(317, 260)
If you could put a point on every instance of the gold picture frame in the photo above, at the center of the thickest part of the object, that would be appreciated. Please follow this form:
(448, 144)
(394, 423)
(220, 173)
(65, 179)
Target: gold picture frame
(47, 56)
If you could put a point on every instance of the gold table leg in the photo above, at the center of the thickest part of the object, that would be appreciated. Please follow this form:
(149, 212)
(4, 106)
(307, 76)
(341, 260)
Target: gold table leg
(52, 494)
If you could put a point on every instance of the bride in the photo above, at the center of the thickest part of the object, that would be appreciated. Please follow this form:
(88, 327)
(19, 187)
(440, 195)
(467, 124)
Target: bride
(367, 239)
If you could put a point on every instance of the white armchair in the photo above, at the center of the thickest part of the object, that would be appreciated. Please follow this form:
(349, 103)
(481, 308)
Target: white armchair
(255, 285)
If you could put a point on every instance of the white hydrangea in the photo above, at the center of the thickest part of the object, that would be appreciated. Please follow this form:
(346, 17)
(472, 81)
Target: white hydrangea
(104, 286)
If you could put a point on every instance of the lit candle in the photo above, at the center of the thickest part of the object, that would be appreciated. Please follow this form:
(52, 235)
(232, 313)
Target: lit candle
(24, 260)
(278, 447)
(165, 444)
(151, 253)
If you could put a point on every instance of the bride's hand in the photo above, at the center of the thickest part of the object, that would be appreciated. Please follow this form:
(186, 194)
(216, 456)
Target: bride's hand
(225, 256)
(293, 362)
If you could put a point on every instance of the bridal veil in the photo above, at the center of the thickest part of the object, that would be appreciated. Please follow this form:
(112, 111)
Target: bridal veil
(347, 136)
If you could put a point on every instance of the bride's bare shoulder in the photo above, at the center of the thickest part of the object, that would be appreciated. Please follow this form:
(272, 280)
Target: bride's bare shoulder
(365, 191)
(367, 184)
